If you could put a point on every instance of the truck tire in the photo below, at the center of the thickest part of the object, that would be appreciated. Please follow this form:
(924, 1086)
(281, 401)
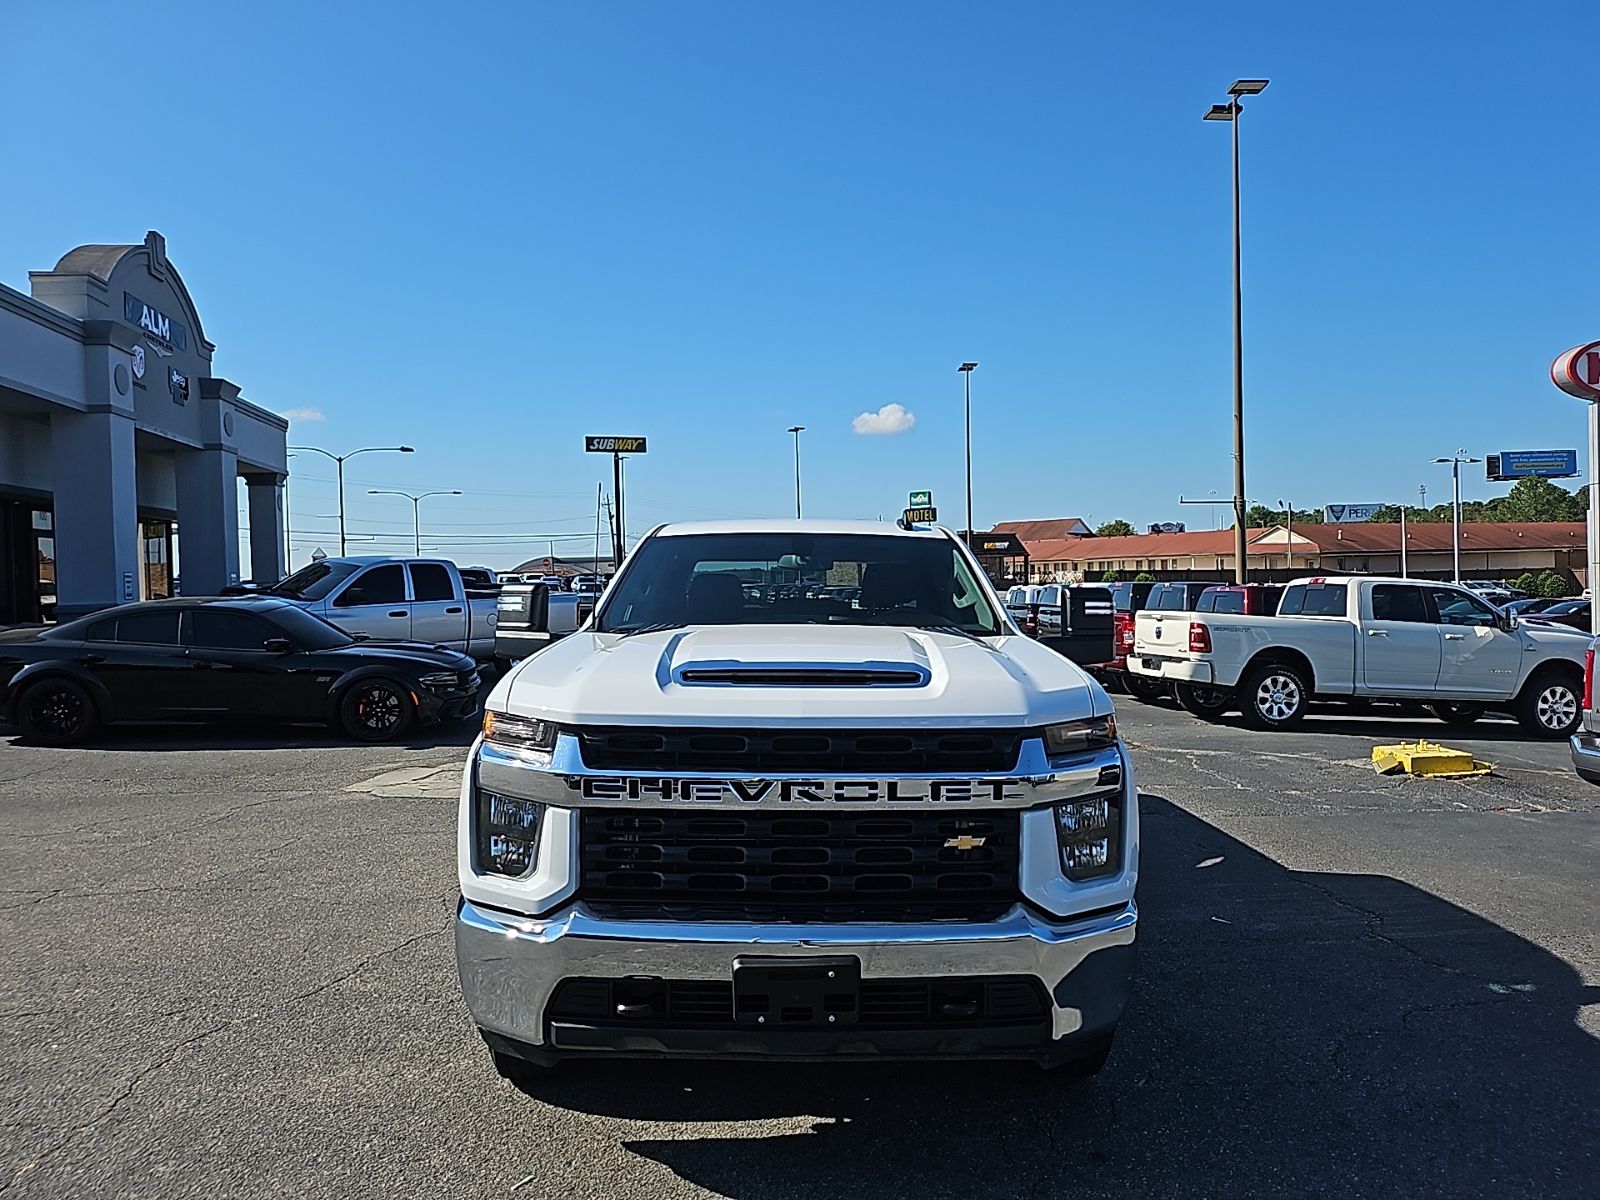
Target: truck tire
(1458, 715)
(56, 712)
(1551, 704)
(1147, 690)
(1274, 696)
(376, 710)
(1207, 703)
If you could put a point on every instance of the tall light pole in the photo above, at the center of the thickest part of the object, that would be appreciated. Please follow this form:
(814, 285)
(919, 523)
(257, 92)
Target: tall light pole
(339, 460)
(797, 430)
(416, 511)
(966, 370)
(1455, 461)
(1404, 574)
(1231, 112)
(1288, 555)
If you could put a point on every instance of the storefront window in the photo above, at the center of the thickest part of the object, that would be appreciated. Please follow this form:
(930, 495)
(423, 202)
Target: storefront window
(156, 541)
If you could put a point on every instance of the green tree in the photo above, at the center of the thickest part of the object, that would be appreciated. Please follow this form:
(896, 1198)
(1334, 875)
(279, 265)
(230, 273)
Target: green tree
(1144, 577)
(1537, 500)
(1552, 584)
(1527, 582)
(1118, 528)
(1111, 577)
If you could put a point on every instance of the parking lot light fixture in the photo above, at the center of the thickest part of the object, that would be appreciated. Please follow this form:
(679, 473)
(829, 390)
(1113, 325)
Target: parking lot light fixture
(1455, 461)
(338, 460)
(797, 430)
(966, 370)
(416, 510)
(1232, 112)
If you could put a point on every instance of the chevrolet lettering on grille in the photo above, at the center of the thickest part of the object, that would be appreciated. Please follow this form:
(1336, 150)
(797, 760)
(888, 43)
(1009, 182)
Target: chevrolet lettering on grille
(797, 791)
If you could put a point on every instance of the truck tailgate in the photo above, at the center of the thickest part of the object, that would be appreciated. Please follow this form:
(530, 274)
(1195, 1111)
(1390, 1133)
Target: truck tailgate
(1161, 647)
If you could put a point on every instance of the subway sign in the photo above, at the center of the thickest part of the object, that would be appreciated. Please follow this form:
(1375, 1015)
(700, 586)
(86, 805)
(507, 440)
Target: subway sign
(1531, 464)
(613, 445)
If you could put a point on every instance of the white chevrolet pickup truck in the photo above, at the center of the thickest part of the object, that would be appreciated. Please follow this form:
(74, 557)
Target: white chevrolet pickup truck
(1367, 638)
(829, 826)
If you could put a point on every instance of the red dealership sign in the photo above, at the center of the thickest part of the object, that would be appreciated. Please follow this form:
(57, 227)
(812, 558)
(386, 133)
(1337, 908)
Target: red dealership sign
(1577, 372)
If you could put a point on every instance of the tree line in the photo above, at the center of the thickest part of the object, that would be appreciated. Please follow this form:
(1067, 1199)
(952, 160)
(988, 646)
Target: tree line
(1528, 500)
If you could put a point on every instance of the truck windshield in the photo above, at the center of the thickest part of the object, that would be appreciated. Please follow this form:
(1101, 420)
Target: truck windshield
(314, 581)
(798, 578)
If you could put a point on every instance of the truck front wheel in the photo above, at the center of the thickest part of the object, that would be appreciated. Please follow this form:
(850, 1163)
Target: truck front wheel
(1551, 705)
(1207, 703)
(1274, 696)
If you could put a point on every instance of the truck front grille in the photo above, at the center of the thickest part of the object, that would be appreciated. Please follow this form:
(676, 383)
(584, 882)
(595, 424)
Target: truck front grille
(885, 1003)
(749, 752)
(802, 866)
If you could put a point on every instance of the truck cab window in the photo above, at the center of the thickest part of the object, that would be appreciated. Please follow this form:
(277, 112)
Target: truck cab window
(431, 581)
(1458, 608)
(377, 585)
(1396, 602)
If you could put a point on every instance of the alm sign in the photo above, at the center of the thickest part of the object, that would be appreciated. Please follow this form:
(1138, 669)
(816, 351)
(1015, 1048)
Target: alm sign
(153, 321)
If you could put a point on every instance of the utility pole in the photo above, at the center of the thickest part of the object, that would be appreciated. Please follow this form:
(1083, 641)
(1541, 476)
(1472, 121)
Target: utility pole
(616, 526)
(594, 566)
(797, 430)
(966, 370)
(1404, 574)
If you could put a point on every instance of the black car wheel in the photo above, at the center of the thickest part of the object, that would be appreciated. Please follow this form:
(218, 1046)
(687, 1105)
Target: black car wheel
(376, 710)
(1207, 703)
(1458, 714)
(56, 712)
(1142, 687)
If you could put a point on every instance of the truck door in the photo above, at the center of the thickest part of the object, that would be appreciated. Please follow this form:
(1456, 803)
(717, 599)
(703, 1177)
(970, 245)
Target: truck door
(1399, 640)
(374, 603)
(437, 613)
(1479, 658)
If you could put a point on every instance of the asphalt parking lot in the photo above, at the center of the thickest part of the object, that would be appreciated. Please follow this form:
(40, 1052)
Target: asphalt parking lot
(228, 972)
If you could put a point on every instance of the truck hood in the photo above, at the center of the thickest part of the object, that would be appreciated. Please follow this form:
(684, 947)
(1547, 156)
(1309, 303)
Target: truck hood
(737, 675)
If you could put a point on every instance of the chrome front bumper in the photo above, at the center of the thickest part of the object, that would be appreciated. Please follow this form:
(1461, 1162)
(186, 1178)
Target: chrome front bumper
(1586, 753)
(510, 966)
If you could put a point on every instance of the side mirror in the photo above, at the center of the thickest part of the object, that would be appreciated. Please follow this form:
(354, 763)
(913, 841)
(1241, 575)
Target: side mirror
(1507, 621)
(278, 646)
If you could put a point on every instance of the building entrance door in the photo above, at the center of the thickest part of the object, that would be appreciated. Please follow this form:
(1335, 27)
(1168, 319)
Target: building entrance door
(155, 560)
(27, 563)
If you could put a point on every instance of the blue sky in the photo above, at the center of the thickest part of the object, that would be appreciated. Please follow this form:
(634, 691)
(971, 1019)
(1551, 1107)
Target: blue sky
(486, 230)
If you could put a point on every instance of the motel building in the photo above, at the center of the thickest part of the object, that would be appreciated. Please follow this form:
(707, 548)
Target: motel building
(122, 455)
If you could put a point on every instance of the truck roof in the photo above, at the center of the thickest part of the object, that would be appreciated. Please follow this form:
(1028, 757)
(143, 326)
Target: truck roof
(790, 525)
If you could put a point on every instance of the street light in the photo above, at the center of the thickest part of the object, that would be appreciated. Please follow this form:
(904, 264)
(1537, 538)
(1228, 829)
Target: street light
(797, 430)
(966, 370)
(1455, 461)
(416, 511)
(339, 460)
(1288, 553)
(1231, 112)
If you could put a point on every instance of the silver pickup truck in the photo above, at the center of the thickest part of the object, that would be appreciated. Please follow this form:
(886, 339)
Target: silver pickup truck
(396, 599)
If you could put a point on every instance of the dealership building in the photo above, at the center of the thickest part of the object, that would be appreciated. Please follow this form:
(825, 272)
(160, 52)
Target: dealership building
(121, 453)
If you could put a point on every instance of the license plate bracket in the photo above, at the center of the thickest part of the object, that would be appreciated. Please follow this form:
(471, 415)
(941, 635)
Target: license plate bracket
(797, 992)
(1151, 664)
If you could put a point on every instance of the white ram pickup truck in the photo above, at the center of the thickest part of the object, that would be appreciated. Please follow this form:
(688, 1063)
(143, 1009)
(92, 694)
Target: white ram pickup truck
(396, 599)
(887, 825)
(1366, 638)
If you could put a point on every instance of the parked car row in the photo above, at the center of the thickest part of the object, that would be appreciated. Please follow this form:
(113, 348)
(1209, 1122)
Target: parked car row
(1075, 620)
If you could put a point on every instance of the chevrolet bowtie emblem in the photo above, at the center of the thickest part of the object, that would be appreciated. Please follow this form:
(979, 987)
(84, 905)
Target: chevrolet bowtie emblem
(965, 842)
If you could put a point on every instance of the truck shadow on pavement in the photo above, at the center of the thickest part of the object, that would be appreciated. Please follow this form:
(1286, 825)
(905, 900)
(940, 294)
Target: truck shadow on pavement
(1291, 1033)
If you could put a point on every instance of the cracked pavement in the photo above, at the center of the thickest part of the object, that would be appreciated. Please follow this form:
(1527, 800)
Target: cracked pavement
(227, 971)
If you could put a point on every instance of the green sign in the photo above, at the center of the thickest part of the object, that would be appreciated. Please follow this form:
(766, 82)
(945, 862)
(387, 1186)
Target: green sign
(921, 499)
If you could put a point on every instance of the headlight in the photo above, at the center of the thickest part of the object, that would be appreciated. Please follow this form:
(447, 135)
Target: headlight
(1075, 736)
(508, 833)
(440, 679)
(524, 733)
(1089, 833)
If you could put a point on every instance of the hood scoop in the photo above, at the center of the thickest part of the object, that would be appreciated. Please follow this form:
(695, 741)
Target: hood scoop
(785, 675)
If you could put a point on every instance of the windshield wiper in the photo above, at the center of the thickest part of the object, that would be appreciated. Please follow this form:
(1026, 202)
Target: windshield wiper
(653, 627)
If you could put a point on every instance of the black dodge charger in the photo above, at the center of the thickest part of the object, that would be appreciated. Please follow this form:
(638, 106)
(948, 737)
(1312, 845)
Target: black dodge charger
(252, 657)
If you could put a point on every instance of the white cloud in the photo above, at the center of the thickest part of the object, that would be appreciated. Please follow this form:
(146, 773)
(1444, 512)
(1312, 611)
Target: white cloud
(303, 414)
(891, 418)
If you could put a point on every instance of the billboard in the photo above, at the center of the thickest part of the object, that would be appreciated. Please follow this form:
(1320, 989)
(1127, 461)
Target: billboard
(1168, 527)
(1531, 464)
(1350, 514)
